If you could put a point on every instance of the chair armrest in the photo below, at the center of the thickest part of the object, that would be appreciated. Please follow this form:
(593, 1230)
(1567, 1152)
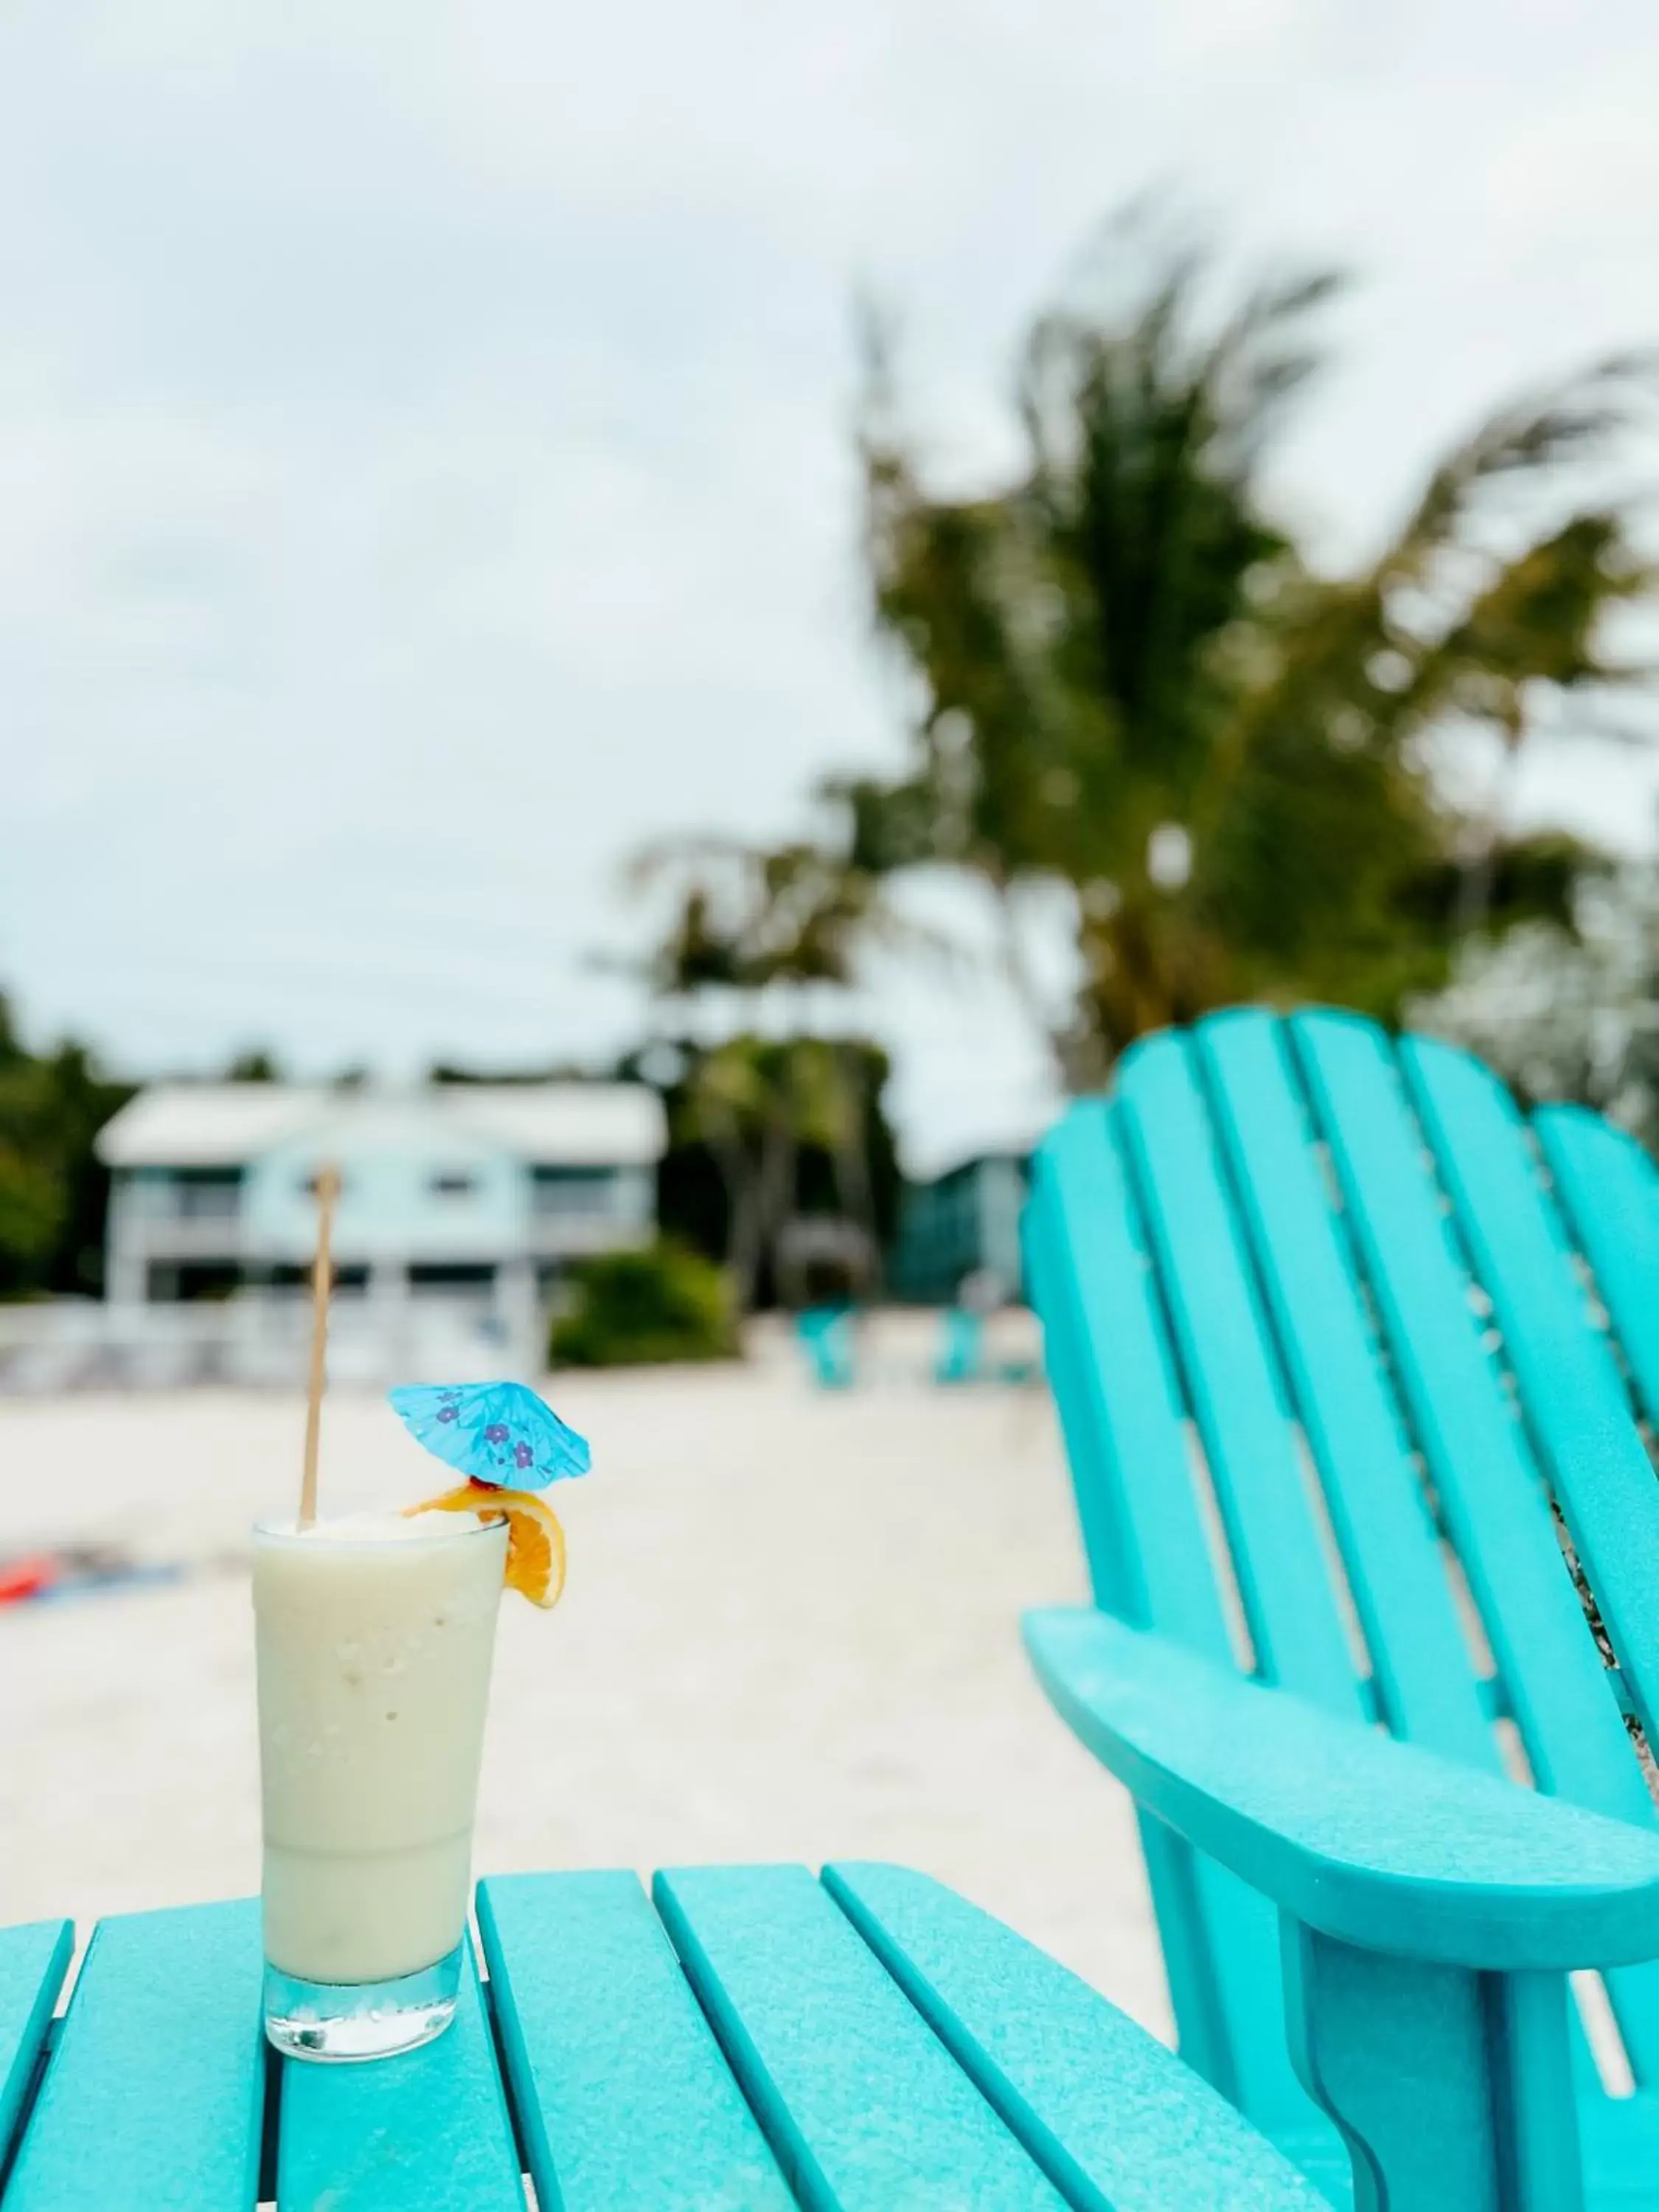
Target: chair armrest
(1368, 1840)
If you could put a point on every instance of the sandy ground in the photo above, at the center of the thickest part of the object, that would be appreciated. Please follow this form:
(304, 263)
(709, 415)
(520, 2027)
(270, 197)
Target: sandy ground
(789, 1633)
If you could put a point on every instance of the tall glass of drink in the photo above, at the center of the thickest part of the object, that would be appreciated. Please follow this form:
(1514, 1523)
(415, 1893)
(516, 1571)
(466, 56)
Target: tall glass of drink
(374, 1637)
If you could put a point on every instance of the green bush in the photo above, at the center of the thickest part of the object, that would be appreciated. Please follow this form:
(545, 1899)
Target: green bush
(634, 1308)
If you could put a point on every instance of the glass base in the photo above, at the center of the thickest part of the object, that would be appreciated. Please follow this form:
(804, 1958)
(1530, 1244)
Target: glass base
(344, 2022)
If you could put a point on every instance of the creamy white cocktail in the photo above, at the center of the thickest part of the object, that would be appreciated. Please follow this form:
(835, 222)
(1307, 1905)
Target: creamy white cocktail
(374, 1639)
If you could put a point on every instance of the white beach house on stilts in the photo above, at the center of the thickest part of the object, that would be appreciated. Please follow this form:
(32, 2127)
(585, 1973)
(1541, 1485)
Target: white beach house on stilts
(462, 1208)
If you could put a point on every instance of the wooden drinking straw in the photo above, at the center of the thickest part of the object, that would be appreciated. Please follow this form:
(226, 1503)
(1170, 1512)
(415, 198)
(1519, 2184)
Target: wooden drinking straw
(322, 1275)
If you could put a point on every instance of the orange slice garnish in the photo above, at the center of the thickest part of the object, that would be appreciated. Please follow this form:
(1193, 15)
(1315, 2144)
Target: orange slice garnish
(535, 1541)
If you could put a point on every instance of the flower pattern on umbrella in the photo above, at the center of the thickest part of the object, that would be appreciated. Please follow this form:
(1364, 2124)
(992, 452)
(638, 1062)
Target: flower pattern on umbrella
(500, 1433)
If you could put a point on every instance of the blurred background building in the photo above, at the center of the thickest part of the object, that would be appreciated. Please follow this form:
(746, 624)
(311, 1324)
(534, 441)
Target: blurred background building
(462, 1209)
(963, 1224)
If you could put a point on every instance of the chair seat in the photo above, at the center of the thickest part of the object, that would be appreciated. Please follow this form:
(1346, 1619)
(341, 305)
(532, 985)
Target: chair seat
(743, 2038)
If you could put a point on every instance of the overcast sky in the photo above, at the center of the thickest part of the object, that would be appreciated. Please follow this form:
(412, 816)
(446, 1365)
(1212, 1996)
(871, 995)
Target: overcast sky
(424, 466)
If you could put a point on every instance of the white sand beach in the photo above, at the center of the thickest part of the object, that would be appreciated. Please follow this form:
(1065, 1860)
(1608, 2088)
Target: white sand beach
(790, 1633)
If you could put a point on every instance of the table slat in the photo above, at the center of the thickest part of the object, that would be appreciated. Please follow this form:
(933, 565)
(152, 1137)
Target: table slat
(623, 2096)
(406, 2134)
(153, 2099)
(1040, 2045)
(865, 2107)
(34, 1962)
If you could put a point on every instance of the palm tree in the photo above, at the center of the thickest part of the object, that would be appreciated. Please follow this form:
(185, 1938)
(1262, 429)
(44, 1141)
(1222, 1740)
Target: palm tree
(733, 1111)
(1135, 686)
(54, 1190)
(1568, 1016)
(755, 923)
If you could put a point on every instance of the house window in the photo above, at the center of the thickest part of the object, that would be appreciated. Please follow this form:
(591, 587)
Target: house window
(451, 1275)
(452, 1182)
(584, 1192)
(191, 1282)
(204, 1194)
(295, 1275)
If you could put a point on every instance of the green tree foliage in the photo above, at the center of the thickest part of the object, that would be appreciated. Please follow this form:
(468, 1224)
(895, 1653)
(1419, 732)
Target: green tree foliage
(764, 1129)
(1135, 686)
(788, 1124)
(633, 1309)
(257, 1064)
(1568, 1013)
(751, 919)
(53, 1192)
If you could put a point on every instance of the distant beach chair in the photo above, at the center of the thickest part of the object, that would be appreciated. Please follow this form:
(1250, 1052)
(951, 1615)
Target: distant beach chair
(825, 1335)
(967, 1353)
(1353, 1362)
(961, 1346)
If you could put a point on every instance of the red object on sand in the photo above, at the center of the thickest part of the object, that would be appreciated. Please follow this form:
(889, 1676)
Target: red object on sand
(27, 1578)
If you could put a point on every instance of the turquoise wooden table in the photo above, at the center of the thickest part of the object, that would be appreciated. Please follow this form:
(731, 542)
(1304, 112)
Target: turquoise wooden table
(742, 2039)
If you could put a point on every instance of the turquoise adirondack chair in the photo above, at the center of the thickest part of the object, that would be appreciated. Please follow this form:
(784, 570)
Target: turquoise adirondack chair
(1353, 1366)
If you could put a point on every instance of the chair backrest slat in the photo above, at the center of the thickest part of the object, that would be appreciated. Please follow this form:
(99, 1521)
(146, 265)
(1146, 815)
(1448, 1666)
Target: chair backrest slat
(1148, 1559)
(1490, 1493)
(1284, 1581)
(1608, 1189)
(1492, 1497)
(1576, 1407)
(1425, 1685)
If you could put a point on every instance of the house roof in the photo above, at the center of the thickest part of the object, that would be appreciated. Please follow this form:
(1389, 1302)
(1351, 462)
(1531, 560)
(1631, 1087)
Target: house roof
(208, 1125)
